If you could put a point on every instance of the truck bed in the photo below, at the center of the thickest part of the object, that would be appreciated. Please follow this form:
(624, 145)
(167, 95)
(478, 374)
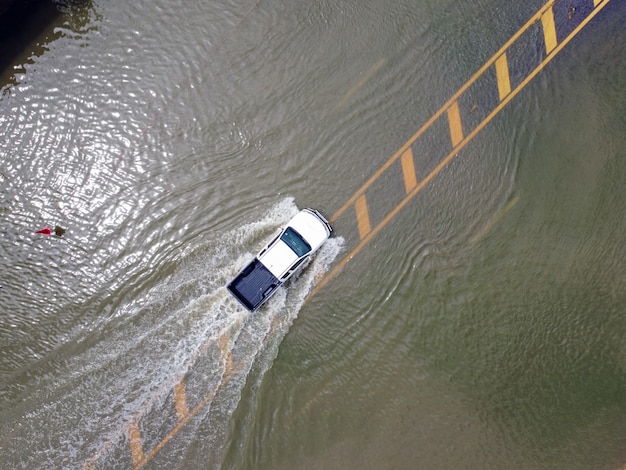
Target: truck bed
(253, 285)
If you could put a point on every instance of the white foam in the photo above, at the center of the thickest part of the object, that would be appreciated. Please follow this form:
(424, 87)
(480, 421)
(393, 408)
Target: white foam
(186, 317)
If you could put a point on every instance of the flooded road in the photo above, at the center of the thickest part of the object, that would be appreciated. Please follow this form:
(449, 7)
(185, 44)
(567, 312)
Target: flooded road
(483, 327)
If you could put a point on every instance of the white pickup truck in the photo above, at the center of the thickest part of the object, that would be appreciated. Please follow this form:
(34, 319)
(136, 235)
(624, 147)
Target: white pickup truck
(288, 251)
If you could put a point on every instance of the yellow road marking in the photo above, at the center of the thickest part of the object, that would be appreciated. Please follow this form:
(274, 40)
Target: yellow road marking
(549, 31)
(454, 119)
(222, 343)
(449, 103)
(408, 170)
(180, 399)
(229, 372)
(462, 144)
(136, 447)
(362, 216)
(230, 369)
(502, 73)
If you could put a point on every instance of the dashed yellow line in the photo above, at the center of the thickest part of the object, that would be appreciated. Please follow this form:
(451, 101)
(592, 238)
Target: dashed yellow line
(454, 119)
(502, 74)
(362, 216)
(549, 30)
(136, 446)
(408, 170)
(180, 401)
(445, 107)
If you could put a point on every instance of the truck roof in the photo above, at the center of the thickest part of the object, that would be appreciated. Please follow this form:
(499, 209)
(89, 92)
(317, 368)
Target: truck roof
(278, 258)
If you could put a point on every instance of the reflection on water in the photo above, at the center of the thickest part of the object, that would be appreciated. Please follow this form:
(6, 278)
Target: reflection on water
(27, 29)
(482, 328)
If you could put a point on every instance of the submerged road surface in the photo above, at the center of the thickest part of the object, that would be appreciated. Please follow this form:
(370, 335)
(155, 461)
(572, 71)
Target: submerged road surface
(469, 313)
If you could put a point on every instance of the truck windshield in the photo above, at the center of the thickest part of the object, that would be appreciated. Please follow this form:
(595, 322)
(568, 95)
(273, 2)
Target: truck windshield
(295, 242)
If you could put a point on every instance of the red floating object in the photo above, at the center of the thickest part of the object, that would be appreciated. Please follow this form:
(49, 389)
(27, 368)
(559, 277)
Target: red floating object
(45, 231)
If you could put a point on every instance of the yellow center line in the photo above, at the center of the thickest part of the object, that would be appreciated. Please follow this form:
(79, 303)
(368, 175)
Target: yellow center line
(180, 400)
(461, 145)
(362, 216)
(456, 128)
(502, 74)
(227, 375)
(408, 170)
(136, 447)
(444, 108)
(221, 341)
(549, 30)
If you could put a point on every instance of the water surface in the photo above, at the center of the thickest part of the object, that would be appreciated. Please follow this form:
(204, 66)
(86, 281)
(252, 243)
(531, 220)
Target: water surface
(483, 328)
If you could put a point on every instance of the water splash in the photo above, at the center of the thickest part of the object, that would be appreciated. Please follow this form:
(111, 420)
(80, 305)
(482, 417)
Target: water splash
(186, 330)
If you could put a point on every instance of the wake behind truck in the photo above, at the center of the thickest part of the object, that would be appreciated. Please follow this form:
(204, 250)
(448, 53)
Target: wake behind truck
(290, 250)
